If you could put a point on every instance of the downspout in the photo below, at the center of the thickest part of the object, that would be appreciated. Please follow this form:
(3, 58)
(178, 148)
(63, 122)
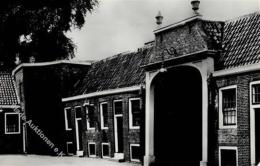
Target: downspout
(142, 128)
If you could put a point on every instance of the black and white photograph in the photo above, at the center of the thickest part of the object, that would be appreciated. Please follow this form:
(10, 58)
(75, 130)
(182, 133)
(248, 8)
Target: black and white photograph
(130, 83)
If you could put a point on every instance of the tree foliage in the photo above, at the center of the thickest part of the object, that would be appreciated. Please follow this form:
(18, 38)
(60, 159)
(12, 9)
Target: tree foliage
(37, 28)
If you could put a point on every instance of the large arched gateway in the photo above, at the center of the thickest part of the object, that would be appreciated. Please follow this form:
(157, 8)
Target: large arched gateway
(176, 123)
(178, 117)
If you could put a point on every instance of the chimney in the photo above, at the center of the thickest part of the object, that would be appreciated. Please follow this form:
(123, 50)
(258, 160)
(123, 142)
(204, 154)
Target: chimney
(195, 6)
(159, 19)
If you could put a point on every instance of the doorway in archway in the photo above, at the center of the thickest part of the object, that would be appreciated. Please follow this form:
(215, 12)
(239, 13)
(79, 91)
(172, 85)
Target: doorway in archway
(178, 117)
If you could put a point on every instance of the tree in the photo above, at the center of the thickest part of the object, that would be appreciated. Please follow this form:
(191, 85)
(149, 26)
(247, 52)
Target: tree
(37, 28)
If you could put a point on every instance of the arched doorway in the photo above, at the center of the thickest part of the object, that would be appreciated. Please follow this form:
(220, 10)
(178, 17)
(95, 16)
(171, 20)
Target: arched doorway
(178, 117)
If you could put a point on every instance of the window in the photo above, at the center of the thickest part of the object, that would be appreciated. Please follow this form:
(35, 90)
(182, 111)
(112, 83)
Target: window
(78, 112)
(118, 107)
(227, 156)
(135, 152)
(228, 107)
(12, 123)
(134, 113)
(90, 110)
(105, 150)
(69, 148)
(104, 115)
(92, 149)
(256, 94)
(67, 114)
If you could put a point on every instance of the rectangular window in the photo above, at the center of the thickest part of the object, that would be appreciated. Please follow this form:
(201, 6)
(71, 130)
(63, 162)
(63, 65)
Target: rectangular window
(90, 111)
(256, 94)
(228, 106)
(134, 113)
(105, 150)
(92, 149)
(135, 153)
(118, 107)
(104, 115)
(228, 156)
(12, 123)
(78, 112)
(69, 148)
(67, 114)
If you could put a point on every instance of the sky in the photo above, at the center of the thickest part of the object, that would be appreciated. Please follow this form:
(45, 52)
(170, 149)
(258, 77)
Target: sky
(117, 26)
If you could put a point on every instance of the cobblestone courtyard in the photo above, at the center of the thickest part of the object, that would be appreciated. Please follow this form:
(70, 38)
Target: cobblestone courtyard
(34, 160)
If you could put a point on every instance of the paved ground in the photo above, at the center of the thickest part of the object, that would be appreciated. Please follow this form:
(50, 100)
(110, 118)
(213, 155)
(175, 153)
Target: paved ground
(34, 160)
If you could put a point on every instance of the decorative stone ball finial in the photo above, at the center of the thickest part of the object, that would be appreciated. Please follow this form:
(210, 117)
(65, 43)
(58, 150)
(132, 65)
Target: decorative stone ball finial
(31, 59)
(159, 18)
(195, 6)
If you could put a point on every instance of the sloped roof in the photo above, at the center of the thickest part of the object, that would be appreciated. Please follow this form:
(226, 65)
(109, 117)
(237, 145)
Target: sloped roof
(241, 42)
(214, 33)
(237, 39)
(119, 71)
(8, 94)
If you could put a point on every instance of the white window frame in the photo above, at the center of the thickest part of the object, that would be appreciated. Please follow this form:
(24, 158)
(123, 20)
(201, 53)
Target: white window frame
(105, 143)
(67, 143)
(66, 118)
(101, 115)
(19, 123)
(131, 115)
(226, 148)
(115, 122)
(115, 107)
(75, 111)
(76, 126)
(221, 120)
(253, 108)
(87, 119)
(131, 159)
(92, 143)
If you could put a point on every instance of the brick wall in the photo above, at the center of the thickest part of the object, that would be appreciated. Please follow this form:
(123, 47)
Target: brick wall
(239, 137)
(184, 39)
(101, 136)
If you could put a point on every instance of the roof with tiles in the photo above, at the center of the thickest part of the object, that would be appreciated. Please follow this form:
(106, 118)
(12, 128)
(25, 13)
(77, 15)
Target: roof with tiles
(119, 71)
(8, 96)
(241, 42)
(214, 33)
(237, 39)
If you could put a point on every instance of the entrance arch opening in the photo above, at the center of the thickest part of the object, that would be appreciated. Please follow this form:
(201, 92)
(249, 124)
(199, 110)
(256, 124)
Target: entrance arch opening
(178, 117)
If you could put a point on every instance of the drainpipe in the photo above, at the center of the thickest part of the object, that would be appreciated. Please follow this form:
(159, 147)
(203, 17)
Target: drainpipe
(142, 127)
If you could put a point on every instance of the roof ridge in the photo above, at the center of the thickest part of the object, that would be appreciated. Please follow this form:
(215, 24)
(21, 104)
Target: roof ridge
(122, 54)
(242, 17)
(113, 56)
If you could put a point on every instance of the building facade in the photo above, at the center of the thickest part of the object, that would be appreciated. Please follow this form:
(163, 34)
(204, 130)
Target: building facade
(214, 67)
(111, 101)
(11, 135)
(40, 87)
(190, 97)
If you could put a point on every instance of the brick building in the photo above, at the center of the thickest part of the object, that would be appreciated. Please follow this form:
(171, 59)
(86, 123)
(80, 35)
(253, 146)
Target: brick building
(203, 81)
(190, 97)
(105, 113)
(11, 129)
(40, 87)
